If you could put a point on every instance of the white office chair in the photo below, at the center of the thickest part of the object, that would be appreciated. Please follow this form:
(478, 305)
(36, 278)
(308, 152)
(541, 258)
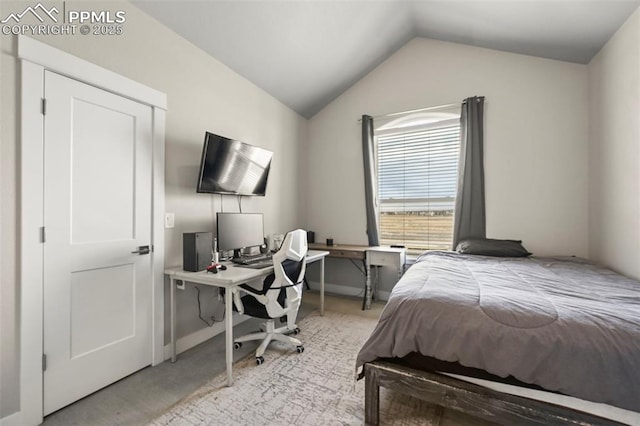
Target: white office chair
(280, 296)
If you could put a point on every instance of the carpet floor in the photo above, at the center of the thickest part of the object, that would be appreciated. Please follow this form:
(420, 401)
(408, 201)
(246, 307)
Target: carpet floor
(316, 387)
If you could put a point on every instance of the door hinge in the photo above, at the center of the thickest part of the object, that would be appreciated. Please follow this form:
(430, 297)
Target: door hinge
(42, 235)
(44, 106)
(44, 362)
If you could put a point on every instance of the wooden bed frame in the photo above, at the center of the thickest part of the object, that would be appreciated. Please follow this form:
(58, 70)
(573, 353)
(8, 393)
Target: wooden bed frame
(448, 392)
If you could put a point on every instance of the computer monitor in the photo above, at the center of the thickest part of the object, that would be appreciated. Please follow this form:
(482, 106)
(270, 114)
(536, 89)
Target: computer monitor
(239, 230)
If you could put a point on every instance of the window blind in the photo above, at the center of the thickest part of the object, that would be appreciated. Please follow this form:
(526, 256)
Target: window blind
(417, 176)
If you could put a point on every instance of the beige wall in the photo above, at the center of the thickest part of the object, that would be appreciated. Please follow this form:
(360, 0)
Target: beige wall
(202, 95)
(535, 141)
(614, 155)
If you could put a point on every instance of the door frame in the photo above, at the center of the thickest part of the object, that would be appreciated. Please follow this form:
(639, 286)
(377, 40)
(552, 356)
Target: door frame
(36, 57)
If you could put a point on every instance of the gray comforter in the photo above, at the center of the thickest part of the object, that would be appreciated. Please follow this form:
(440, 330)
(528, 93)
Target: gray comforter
(561, 323)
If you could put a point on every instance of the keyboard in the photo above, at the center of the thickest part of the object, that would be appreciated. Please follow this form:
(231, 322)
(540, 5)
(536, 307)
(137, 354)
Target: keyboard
(253, 259)
(260, 265)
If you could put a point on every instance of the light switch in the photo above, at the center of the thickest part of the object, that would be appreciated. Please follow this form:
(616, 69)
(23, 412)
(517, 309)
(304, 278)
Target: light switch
(169, 220)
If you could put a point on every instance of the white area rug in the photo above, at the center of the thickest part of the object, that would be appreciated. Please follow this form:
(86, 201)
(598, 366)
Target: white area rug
(316, 387)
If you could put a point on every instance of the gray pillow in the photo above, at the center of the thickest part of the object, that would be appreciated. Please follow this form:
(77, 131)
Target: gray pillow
(490, 247)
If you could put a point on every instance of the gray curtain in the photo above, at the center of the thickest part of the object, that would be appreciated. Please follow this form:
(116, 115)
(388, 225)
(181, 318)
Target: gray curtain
(371, 196)
(469, 219)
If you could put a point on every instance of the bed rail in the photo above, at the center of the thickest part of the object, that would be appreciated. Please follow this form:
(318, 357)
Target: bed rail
(469, 398)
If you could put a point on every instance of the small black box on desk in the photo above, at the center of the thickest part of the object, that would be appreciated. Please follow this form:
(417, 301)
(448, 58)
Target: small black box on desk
(196, 250)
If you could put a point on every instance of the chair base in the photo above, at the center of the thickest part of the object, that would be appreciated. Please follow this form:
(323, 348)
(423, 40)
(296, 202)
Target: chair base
(271, 333)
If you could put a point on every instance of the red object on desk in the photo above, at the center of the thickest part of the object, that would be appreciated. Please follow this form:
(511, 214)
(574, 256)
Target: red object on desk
(213, 268)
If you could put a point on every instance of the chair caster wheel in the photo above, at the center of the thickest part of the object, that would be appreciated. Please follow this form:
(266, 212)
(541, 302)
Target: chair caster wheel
(296, 330)
(237, 345)
(259, 360)
(300, 349)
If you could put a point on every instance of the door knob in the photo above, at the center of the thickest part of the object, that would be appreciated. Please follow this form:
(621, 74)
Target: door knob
(142, 250)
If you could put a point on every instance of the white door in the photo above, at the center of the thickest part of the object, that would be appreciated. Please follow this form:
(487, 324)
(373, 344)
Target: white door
(97, 211)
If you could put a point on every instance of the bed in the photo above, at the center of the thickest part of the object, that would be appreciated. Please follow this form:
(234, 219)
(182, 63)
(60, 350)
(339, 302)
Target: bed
(556, 326)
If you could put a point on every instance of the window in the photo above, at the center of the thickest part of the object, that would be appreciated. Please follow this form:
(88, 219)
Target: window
(417, 166)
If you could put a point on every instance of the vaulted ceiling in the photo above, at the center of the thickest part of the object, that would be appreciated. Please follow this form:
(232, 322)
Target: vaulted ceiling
(307, 52)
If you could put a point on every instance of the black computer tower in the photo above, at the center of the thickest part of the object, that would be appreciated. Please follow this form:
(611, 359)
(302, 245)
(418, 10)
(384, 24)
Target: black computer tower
(196, 250)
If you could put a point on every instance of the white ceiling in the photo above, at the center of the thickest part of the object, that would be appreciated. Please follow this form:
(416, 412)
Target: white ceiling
(307, 52)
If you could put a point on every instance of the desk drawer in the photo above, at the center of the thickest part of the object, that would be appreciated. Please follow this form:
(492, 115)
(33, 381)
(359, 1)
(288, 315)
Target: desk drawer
(380, 258)
(346, 254)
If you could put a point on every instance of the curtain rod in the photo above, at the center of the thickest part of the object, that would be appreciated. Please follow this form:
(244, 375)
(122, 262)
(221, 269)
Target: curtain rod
(421, 109)
(414, 110)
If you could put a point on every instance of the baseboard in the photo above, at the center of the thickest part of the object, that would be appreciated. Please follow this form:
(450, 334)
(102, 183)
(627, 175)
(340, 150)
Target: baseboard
(194, 339)
(14, 419)
(382, 295)
(344, 290)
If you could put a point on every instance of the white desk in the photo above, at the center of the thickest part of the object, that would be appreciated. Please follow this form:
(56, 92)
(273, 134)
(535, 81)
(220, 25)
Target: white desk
(229, 279)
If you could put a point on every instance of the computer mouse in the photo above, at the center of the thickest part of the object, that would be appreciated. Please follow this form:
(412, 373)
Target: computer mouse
(223, 267)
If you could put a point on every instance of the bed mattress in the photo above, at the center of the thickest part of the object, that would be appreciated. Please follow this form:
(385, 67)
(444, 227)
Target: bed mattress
(564, 324)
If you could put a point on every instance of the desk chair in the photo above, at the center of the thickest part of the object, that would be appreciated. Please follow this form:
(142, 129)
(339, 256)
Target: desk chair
(280, 296)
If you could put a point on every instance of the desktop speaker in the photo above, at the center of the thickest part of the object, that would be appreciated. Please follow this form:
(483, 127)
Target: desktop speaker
(196, 250)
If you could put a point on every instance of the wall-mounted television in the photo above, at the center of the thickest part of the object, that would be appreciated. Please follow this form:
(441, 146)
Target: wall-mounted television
(232, 167)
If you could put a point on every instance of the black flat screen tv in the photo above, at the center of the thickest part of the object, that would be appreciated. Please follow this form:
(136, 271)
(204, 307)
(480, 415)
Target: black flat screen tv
(232, 167)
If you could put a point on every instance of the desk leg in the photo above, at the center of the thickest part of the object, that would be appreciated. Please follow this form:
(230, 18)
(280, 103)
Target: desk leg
(322, 286)
(228, 334)
(172, 317)
(366, 303)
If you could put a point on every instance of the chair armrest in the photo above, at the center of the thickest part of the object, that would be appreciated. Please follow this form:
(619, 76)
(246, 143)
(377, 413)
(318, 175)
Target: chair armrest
(248, 289)
(237, 300)
(258, 295)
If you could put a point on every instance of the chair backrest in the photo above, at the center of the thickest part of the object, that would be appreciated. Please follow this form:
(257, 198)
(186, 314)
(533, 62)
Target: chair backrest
(289, 268)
